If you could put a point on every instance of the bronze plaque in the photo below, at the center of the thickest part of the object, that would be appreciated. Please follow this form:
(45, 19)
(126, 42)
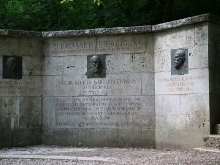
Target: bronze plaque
(179, 61)
(96, 67)
(12, 67)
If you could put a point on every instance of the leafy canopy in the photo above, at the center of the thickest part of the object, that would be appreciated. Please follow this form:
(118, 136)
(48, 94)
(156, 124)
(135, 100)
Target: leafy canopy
(40, 15)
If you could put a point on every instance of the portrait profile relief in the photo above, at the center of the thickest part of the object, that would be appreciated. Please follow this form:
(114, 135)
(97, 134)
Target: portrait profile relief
(96, 66)
(12, 67)
(179, 61)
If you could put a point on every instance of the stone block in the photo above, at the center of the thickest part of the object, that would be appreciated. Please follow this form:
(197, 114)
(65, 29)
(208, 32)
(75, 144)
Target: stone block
(148, 84)
(195, 123)
(167, 139)
(21, 46)
(32, 65)
(129, 63)
(195, 104)
(5, 122)
(26, 137)
(197, 81)
(120, 84)
(121, 63)
(162, 61)
(198, 57)
(48, 85)
(179, 38)
(70, 46)
(121, 44)
(174, 38)
(167, 104)
(191, 140)
(100, 137)
(5, 138)
(129, 138)
(159, 41)
(148, 138)
(74, 65)
(212, 141)
(21, 112)
(201, 34)
(99, 112)
(27, 86)
(53, 66)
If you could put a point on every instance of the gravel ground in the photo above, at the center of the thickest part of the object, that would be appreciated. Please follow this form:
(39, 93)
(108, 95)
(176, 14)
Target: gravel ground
(44, 155)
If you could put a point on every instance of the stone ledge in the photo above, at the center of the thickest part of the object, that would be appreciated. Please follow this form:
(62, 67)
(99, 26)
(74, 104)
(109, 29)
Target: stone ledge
(212, 141)
(207, 149)
(22, 33)
(115, 30)
(182, 22)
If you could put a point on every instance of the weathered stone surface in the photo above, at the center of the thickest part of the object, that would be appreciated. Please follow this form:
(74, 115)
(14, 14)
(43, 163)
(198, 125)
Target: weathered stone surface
(195, 104)
(120, 84)
(139, 103)
(182, 22)
(212, 141)
(70, 46)
(99, 31)
(99, 112)
(21, 46)
(23, 33)
(32, 65)
(27, 86)
(197, 81)
(95, 45)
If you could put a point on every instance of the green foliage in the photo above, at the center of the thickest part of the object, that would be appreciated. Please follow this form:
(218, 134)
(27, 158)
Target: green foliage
(98, 2)
(21, 144)
(40, 15)
(80, 144)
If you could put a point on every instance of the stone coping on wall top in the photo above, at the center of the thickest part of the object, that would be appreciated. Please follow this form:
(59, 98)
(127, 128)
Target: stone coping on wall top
(116, 30)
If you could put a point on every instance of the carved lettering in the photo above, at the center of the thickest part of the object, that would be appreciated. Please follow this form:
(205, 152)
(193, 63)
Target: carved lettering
(180, 84)
(104, 110)
(15, 87)
(103, 46)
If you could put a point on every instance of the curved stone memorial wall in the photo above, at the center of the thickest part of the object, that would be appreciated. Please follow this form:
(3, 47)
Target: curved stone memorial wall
(145, 86)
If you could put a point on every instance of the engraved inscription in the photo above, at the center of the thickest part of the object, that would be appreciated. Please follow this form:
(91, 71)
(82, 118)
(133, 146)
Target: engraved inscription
(113, 44)
(96, 86)
(102, 111)
(15, 87)
(180, 84)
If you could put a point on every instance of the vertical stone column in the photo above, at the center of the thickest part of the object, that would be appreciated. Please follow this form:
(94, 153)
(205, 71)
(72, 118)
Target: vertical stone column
(182, 100)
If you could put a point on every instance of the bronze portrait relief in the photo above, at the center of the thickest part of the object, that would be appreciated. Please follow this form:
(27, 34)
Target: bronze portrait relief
(12, 67)
(96, 66)
(179, 61)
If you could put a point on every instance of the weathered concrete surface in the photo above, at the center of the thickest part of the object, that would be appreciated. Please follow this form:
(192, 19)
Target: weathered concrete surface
(20, 99)
(138, 103)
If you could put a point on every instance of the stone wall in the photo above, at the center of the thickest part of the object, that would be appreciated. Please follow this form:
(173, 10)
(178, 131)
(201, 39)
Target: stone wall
(182, 101)
(20, 99)
(139, 101)
(117, 110)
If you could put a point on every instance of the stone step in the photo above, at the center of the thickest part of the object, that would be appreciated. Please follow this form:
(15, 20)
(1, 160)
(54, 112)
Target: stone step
(207, 149)
(212, 141)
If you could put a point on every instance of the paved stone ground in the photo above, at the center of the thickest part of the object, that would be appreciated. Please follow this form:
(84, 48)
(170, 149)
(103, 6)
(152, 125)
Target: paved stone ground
(53, 155)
